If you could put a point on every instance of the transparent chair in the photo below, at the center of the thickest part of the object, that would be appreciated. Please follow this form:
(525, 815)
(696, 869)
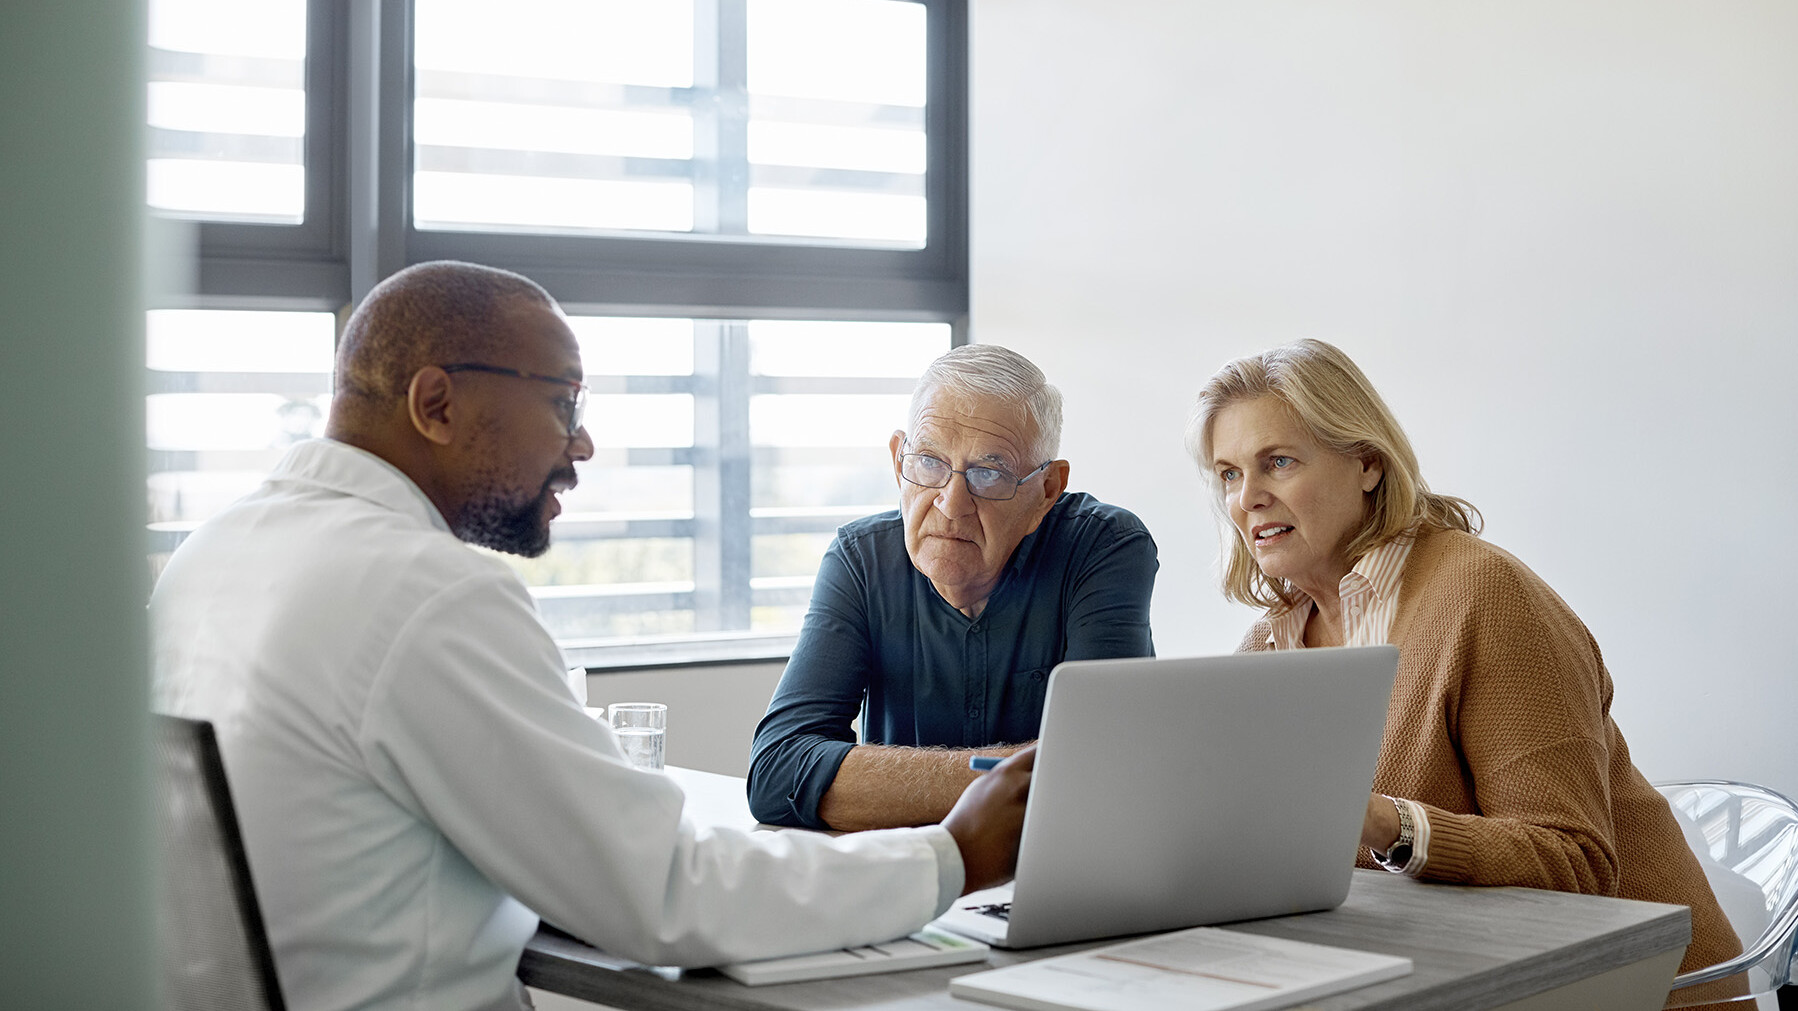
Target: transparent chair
(1746, 838)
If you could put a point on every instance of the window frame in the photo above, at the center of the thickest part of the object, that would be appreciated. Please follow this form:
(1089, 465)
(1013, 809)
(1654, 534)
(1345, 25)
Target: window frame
(358, 229)
(244, 265)
(731, 276)
(358, 222)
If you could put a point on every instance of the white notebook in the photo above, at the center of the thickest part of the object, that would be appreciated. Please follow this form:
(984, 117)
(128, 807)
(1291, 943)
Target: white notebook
(1201, 969)
(925, 948)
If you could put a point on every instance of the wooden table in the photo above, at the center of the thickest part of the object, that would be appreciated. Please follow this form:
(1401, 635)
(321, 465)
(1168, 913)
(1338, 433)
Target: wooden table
(1510, 948)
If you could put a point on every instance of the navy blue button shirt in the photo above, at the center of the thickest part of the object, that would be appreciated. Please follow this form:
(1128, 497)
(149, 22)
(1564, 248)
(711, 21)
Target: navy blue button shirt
(879, 642)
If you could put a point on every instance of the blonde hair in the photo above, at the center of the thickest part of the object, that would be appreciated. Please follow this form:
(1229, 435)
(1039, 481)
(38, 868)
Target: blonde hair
(1340, 409)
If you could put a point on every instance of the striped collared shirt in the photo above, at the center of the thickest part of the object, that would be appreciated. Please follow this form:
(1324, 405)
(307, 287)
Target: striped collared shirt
(1369, 601)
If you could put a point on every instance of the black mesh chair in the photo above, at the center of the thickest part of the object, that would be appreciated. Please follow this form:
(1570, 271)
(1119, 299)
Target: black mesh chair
(215, 954)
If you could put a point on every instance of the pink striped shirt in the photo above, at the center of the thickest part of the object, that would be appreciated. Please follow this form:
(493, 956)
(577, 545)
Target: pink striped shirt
(1369, 600)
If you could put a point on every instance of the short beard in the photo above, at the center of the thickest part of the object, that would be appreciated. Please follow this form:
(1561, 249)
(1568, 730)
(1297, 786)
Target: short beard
(493, 519)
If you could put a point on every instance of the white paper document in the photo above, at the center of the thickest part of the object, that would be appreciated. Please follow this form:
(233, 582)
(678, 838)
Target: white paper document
(925, 948)
(1202, 969)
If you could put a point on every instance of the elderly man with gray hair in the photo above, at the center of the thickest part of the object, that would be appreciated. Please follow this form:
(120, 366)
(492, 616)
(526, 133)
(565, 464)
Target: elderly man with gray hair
(937, 624)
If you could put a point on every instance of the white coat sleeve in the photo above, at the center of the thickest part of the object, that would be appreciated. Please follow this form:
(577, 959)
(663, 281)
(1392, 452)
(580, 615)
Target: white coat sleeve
(472, 726)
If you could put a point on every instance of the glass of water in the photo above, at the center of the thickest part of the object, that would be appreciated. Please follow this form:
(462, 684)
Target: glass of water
(642, 729)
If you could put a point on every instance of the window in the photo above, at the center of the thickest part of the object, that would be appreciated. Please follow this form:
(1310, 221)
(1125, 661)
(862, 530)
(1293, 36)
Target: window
(227, 110)
(228, 393)
(726, 454)
(771, 117)
(752, 210)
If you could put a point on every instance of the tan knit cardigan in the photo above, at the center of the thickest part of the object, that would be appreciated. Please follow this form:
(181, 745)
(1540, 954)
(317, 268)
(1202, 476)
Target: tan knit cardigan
(1500, 725)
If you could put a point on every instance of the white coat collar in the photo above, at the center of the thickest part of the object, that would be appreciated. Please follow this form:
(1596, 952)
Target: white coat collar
(343, 468)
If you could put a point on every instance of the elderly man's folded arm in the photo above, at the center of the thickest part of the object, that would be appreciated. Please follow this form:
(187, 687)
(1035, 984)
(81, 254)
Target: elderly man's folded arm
(874, 786)
(878, 786)
(810, 720)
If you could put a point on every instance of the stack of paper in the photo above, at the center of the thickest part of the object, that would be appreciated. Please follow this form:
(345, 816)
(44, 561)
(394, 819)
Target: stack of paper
(925, 948)
(1202, 969)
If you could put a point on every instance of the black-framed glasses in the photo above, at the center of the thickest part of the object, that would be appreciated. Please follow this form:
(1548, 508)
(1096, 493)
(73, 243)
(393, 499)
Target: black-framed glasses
(989, 483)
(574, 408)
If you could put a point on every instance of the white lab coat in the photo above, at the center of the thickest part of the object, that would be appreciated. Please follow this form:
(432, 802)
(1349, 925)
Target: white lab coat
(417, 782)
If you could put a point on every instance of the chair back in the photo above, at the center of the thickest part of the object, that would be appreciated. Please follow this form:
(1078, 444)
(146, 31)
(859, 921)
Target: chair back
(215, 954)
(1746, 839)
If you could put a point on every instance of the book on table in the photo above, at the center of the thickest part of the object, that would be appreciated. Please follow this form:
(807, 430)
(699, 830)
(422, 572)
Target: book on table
(1201, 969)
(928, 947)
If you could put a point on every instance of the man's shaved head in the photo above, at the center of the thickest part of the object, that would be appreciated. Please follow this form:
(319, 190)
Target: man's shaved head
(429, 314)
(491, 447)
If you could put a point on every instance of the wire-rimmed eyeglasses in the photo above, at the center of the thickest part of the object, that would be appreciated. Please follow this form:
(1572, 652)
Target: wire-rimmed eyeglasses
(990, 483)
(574, 409)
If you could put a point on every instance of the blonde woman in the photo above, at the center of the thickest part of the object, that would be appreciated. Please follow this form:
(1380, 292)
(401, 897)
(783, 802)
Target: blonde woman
(1500, 764)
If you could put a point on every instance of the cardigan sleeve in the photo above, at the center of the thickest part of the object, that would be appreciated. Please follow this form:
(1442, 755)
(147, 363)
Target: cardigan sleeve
(1529, 718)
(1255, 640)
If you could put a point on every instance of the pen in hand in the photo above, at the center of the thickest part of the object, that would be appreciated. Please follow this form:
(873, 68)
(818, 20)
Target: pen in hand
(981, 763)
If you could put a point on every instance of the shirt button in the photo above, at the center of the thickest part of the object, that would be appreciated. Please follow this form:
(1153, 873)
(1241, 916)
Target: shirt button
(973, 714)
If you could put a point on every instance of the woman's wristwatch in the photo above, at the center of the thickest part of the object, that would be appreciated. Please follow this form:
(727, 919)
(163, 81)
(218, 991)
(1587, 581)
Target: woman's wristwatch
(1399, 854)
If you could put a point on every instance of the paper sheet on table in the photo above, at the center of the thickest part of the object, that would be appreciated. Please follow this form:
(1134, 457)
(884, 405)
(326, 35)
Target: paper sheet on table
(1202, 969)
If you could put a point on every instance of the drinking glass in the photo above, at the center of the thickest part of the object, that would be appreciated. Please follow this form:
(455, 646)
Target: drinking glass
(642, 729)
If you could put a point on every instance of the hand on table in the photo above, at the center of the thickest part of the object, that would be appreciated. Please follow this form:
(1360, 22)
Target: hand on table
(1379, 828)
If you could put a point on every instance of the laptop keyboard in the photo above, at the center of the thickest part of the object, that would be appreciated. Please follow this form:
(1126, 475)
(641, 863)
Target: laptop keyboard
(998, 910)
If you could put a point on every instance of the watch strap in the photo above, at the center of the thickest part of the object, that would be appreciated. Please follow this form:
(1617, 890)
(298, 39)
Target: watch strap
(1398, 857)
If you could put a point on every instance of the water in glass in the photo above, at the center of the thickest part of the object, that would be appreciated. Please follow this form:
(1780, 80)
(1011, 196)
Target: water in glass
(642, 746)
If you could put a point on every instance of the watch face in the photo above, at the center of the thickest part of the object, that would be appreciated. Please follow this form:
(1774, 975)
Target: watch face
(1400, 855)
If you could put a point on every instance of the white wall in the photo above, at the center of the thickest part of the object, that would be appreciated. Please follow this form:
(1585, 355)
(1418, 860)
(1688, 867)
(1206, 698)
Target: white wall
(712, 711)
(1561, 238)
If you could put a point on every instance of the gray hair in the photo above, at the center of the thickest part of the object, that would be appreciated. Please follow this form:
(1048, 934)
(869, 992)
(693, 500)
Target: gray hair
(991, 372)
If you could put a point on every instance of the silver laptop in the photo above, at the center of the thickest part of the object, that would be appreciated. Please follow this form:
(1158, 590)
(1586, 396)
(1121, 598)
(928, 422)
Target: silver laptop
(1184, 791)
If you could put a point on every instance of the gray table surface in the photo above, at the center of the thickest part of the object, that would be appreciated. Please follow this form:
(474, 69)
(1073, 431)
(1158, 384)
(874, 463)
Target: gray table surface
(1471, 947)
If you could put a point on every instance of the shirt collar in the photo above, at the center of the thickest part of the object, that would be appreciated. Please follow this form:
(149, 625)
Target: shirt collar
(1021, 554)
(1383, 568)
(1379, 572)
(347, 470)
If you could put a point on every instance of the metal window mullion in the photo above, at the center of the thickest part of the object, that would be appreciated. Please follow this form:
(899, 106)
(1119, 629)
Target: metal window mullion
(721, 117)
(946, 132)
(722, 531)
(362, 124)
(393, 153)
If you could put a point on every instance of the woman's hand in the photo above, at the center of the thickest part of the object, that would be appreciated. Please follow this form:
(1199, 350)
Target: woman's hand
(1379, 829)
